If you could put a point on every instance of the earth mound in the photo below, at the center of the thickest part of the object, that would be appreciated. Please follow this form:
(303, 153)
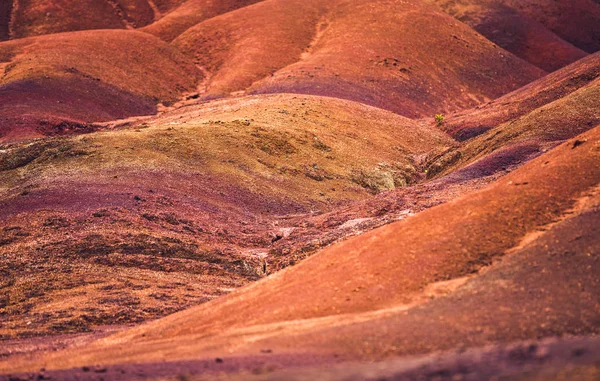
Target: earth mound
(418, 61)
(61, 83)
(286, 189)
(196, 196)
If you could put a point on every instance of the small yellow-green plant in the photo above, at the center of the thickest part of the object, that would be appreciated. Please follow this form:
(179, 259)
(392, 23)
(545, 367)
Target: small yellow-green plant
(439, 119)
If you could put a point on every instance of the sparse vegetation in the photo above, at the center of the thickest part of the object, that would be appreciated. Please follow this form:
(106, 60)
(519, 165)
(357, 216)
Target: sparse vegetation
(439, 119)
(383, 178)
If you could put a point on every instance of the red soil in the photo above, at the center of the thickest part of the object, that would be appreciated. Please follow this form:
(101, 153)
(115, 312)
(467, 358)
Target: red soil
(294, 223)
(315, 53)
(197, 212)
(26, 18)
(343, 287)
(399, 72)
(515, 30)
(190, 13)
(60, 83)
(5, 14)
(573, 21)
(467, 124)
(529, 135)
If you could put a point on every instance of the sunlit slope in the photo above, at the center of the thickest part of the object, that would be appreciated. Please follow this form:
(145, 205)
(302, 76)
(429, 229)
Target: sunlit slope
(191, 197)
(398, 55)
(352, 290)
(191, 13)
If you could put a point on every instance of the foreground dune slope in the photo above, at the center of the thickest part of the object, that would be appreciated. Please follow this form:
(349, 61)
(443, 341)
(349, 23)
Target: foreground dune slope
(545, 287)
(387, 269)
(398, 55)
(183, 207)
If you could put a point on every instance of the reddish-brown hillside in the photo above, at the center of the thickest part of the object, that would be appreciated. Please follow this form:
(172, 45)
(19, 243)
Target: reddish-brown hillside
(5, 15)
(183, 207)
(57, 84)
(517, 30)
(201, 189)
(191, 13)
(369, 289)
(228, 46)
(531, 121)
(468, 124)
(520, 139)
(397, 55)
(510, 21)
(25, 18)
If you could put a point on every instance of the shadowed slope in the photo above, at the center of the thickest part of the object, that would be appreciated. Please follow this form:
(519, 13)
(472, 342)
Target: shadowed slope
(191, 13)
(576, 21)
(183, 209)
(59, 82)
(510, 21)
(5, 16)
(397, 55)
(512, 29)
(524, 137)
(386, 269)
(468, 124)
(37, 17)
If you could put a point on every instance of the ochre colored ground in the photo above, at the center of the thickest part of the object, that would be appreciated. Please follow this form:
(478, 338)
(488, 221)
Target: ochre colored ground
(262, 189)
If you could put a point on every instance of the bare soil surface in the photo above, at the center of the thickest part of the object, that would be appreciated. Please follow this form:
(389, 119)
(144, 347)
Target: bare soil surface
(283, 189)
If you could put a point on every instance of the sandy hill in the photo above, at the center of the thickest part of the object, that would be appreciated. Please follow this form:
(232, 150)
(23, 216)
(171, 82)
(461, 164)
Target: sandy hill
(369, 289)
(57, 84)
(572, 21)
(548, 34)
(164, 18)
(192, 189)
(525, 136)
(399, 55)
(530, 122)
(25, 18)
(470, 123)
(189, 14)
(191, 197)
